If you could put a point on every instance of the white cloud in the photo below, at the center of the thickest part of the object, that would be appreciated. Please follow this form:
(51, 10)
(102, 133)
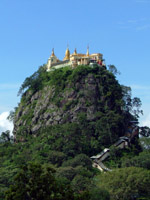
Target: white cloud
(5, 124)
(140, 24)
(146, 121)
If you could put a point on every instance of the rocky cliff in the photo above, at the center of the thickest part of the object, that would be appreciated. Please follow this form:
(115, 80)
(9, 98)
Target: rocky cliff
(65, 95)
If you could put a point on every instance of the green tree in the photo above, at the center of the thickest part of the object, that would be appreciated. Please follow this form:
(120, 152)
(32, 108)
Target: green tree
(144, 131)
(99, 194)
(113, 69)
(142, 160)
(6, 137)
(34, 182)
(80, 183)
(80, 159)
(126, 183)
(132, 106)
(145, 143)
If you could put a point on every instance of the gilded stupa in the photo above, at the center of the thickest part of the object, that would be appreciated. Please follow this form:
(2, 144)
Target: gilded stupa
(67, 54)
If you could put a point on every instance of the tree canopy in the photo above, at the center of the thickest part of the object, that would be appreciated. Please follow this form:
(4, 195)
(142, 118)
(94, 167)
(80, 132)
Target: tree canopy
(54, 162)
(126, 183)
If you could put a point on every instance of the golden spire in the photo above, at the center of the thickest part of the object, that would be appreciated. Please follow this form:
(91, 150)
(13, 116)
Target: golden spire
(87, 51)
(53, 52)
(75, 52)
(67, 54)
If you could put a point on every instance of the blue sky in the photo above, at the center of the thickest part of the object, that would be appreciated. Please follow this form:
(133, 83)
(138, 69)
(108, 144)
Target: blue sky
(29, 29)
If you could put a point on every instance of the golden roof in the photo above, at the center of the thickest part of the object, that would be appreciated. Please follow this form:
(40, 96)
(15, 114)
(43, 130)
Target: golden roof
(67, 54)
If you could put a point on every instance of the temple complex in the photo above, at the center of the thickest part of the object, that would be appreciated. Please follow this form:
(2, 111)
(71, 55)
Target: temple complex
(74, 59)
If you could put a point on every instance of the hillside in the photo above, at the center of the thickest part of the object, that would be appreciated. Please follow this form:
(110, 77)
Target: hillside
(64, 117)
(88, 99)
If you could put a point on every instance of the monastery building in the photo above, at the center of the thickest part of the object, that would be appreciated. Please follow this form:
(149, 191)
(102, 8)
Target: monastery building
(74, 59)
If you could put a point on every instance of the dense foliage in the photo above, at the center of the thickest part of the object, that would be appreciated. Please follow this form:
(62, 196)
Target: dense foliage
(126, 183)
(55, 162)
(76, 173)
(114, 105)
(34, 182)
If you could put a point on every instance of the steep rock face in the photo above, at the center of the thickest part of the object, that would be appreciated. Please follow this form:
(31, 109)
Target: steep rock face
(82, 98)
(90, 93)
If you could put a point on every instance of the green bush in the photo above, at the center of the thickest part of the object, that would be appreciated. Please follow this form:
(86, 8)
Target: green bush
(126, 183)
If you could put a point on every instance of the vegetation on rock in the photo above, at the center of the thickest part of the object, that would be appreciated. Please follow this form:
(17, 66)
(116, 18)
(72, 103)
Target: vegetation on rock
(64, 117)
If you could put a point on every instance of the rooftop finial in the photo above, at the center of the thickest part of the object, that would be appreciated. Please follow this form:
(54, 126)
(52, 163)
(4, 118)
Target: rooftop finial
(75, 51)
(53, 52)
(87, 51)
